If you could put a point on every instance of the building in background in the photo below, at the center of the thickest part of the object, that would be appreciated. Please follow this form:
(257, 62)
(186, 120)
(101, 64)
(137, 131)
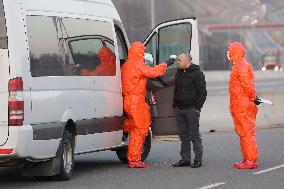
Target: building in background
(220, 22)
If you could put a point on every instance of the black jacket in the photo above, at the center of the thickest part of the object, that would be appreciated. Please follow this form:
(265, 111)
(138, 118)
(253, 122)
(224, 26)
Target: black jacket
(190, 87)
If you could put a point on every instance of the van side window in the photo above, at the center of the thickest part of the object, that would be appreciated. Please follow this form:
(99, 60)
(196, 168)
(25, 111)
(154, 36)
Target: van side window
(85, 52)
(90, 46)
(43, 37)
(69, 46)
(173, 40)
(122, 47)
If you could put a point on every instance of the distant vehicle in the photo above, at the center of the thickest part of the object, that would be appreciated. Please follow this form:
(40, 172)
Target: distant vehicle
(270, 60)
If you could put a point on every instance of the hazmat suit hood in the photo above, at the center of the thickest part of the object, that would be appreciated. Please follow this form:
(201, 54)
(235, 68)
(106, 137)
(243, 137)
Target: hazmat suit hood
(106, 55)
(136, 52)
(107, 66)
(236, 53)
(108, 61)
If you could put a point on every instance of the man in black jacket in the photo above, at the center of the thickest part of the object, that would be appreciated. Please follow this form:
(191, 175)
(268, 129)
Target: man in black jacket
(189, 96)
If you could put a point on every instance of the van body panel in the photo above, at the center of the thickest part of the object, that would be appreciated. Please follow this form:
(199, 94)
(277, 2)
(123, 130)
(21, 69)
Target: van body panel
(4, 95)
(98, 141)
(51, 105)
(23, 145)
(50, 148)
(99, 125)
(68, 115)
(108, 104)
(104, 9)
(19, 140)
(4, 132)
(18, 54)
(47, 131)
(60, 7)
(17, 43)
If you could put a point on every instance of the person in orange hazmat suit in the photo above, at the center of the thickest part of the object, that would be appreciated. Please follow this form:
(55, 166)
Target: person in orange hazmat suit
(243, 103)
(107, 66)
(135, 73)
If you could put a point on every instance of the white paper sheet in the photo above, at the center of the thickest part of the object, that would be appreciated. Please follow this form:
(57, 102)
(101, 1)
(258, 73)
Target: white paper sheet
(262, 100)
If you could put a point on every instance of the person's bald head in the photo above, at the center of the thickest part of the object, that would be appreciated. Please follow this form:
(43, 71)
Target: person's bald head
(184, 60)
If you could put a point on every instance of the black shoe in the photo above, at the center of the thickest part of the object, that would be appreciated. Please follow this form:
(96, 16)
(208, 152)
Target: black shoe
(196, 164)
(181, 163)
(125, 136)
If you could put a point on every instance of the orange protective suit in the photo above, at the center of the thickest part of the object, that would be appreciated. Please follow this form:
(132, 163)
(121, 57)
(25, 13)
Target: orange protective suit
(107, 66)
(242, 94)
(134, 75)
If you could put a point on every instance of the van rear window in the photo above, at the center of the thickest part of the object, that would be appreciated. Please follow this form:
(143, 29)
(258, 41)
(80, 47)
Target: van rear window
(3, 29)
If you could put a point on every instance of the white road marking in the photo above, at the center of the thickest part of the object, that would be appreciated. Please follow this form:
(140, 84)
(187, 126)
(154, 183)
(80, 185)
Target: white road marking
(270, 169)
(212, 185)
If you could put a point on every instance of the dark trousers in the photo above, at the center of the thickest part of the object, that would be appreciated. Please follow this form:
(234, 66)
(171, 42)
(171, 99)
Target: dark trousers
(188, 126)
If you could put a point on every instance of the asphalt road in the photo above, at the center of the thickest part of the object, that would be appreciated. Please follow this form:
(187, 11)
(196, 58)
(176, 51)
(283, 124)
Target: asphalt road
(104, 171)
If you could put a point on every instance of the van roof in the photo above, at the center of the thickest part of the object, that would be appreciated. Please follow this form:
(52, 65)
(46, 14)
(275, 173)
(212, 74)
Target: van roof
(99, 8)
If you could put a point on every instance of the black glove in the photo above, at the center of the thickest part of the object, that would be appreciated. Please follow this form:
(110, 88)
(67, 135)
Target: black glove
(170, 61)
(257, 101)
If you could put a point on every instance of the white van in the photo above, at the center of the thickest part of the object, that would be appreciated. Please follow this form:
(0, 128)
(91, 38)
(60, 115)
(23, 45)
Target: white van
(53, 102)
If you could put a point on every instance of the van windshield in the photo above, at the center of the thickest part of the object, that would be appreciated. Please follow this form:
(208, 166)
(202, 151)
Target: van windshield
(3, 29)
(270, 58)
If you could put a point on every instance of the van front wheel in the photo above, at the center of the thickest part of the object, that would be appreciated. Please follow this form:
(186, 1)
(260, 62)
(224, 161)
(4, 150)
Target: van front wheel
(122, 152)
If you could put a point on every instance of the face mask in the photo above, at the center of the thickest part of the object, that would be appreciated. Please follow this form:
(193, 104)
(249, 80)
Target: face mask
(228, 56)
(148, 57)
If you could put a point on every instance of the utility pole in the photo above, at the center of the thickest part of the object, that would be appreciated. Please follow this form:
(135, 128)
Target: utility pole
(152, 14)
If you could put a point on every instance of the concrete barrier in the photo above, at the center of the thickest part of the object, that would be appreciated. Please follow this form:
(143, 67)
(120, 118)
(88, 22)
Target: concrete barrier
(215, 114)
(221, 76)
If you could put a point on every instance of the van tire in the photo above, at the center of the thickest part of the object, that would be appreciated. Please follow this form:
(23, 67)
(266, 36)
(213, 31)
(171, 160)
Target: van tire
(122, 152)
(66, 158)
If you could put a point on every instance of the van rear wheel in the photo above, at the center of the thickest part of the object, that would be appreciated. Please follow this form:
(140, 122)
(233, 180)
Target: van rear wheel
(67, 158)
(122, 152)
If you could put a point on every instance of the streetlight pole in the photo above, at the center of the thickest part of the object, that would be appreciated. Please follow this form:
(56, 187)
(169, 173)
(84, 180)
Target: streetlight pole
(152, 14)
